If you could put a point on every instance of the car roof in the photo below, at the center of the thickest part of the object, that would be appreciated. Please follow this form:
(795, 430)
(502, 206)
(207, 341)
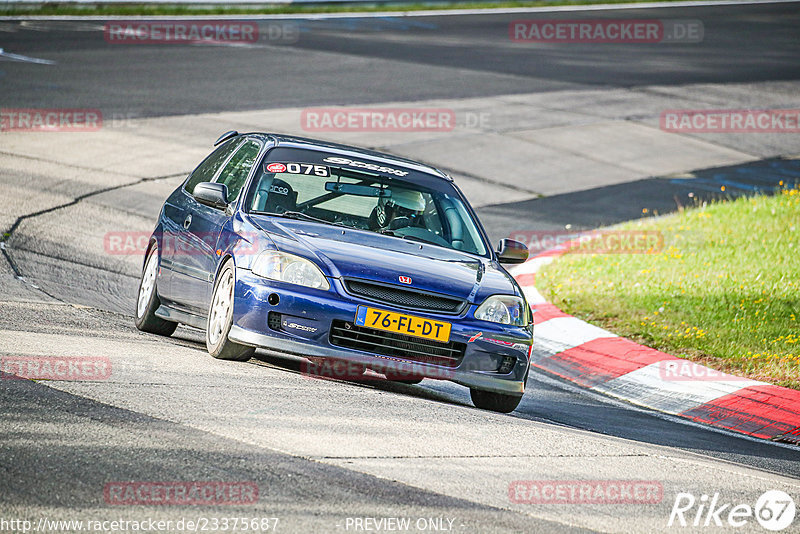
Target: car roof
(291, 141)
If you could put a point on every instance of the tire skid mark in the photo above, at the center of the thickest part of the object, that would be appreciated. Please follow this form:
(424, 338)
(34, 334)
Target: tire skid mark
(76, 200)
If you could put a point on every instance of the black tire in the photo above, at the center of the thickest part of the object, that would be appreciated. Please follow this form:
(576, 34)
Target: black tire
(496, 402)
(146, 306)
(221, 347)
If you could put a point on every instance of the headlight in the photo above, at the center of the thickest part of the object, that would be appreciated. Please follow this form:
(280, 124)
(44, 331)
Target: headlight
(503, 309)
(289, 268)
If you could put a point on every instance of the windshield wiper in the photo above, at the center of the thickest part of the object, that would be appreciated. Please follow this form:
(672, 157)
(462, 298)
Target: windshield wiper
(418, 239)
(392, 233)
(299, 215)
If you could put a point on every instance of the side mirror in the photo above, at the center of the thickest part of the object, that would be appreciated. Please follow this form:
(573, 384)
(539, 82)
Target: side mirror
(510, 251)
(211, 194)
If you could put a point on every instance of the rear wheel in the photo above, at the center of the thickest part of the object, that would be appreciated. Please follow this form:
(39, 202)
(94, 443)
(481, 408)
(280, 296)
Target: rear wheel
(496, 402)
(220, 319)
(147, 302)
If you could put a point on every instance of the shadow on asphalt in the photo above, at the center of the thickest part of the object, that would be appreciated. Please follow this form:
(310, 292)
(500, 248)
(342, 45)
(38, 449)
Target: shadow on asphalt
(613, 204)
(193, 338)
(553, 399)
(550, 400)
(62, 450)
(370, 380)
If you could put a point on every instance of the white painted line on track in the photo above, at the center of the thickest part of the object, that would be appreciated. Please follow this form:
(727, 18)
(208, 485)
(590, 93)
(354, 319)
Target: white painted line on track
(25, 59)
(546, 348)
(531, 266)
(569, 331)
(647, 387)
(533, 296)
(604, 398)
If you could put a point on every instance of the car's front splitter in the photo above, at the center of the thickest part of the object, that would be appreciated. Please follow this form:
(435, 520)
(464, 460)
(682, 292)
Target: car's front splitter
(306, 316)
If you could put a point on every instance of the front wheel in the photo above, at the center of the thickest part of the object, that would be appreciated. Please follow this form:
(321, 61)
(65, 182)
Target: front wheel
(147, 303)
(220, 319)
(496, 402)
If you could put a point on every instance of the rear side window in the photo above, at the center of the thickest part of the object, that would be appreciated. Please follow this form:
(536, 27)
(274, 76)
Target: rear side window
(205, 171)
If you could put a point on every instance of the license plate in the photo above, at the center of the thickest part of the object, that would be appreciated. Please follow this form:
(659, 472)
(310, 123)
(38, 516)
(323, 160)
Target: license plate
(403, 324)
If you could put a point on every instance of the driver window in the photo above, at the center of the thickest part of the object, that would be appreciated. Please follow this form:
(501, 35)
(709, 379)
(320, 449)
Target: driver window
(235, 173)
(205, 171)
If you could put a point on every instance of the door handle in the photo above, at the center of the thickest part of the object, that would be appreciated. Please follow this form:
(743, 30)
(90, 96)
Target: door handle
(187, 222)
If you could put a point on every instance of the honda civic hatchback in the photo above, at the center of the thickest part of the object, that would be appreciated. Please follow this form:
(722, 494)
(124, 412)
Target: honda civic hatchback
(338, 254)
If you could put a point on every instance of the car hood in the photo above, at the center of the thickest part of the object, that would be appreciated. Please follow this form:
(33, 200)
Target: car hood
(349, 253)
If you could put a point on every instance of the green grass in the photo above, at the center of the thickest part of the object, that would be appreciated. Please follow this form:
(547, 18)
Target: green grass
(723, 291)
(100, 9)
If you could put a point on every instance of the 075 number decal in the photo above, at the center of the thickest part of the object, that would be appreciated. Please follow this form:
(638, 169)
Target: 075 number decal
(307, 168)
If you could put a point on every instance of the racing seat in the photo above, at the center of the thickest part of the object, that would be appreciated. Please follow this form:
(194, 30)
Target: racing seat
(275, 196)
(455, 226)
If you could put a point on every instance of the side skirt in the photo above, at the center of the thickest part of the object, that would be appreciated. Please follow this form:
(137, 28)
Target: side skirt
(179, 316)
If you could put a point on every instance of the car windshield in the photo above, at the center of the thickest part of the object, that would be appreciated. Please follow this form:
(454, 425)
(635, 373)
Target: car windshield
(366, 201)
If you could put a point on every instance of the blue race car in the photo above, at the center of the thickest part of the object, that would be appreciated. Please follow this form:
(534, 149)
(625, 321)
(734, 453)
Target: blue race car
(338, 254)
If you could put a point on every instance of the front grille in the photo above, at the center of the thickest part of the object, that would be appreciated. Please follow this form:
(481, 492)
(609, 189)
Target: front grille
(348, 335)
(405, 298)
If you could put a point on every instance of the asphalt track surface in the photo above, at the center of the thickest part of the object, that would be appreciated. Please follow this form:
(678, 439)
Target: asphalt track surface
(59, 445)
(387, 59)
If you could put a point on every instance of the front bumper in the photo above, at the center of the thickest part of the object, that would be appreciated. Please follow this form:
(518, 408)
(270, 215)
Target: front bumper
(307, 315)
